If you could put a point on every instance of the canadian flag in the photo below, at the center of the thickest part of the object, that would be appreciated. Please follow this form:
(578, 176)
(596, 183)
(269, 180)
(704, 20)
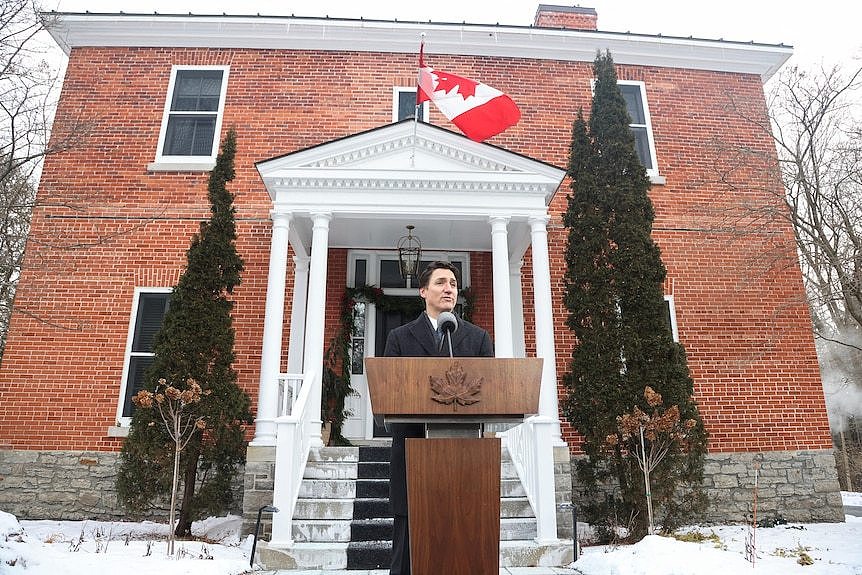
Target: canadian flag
(478, 110)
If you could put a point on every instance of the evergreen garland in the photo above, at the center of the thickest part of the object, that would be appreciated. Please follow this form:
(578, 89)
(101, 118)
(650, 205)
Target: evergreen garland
(196, 342)
(616, 306)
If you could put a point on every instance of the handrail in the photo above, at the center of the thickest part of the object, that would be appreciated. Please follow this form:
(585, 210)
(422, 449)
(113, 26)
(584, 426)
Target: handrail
(530, 446)
(293, 443)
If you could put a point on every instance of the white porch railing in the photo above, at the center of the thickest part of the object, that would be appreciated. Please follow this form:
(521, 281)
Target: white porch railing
(293, 442)
(531, 447)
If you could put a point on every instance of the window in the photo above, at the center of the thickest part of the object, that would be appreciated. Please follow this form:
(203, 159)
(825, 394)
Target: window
(634, 94)
(404, 105)
(149, 308)
(670, 316)
(193, 113)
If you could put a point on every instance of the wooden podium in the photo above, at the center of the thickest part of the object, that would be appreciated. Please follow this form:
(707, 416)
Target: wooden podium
(453, 476)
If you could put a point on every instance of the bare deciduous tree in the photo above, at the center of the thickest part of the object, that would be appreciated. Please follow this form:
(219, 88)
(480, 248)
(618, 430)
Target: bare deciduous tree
(29, 85)
(816, 119)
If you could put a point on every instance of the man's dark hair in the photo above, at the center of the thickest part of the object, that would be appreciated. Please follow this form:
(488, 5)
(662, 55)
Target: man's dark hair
(425, 276)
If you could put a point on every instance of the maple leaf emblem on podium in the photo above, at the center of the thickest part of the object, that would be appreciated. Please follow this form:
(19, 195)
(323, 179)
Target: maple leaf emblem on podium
(454, 388)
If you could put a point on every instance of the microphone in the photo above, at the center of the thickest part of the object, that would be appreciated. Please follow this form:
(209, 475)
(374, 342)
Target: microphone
(448, 324)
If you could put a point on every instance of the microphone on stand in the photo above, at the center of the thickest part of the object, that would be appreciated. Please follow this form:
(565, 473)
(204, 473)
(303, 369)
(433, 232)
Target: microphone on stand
(448, 324)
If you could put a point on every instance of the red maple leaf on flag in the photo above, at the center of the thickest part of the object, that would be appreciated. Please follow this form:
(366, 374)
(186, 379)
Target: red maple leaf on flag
(446, 82)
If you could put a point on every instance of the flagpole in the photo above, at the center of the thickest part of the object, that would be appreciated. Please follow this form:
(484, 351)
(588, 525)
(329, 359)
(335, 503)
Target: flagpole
(416, 108)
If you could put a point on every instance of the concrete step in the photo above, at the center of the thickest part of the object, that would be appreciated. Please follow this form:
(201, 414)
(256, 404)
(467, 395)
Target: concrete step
(334, 556)
(334, 454)
(323, 509)
(367, 508)
(330, 470)
(304, 556)
(512, 488)
(327, 489)
(372, 488)
(516, 507)
(369, 555)
(377, 529)
(321, 530)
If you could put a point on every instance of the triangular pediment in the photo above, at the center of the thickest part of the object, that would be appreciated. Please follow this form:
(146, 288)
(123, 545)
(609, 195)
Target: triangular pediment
(408, 151)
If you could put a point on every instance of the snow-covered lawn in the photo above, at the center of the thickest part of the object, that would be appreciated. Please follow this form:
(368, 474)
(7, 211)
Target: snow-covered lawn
(106, 548)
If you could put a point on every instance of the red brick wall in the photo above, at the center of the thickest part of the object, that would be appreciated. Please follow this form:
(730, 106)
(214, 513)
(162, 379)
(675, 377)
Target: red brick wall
(582, 19)
(746, 328)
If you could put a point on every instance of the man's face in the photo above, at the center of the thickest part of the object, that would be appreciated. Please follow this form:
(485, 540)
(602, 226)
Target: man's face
(441, 293)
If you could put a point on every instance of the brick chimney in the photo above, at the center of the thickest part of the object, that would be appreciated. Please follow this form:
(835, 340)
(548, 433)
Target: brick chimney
(571, 17)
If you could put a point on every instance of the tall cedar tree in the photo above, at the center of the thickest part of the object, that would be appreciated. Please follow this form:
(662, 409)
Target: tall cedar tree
(196, 341)
(614, 294)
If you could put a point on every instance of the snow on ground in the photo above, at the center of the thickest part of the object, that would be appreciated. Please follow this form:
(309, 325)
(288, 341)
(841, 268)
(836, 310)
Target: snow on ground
(833, 549)
(121, 548)
(118, 548)
(850, 498)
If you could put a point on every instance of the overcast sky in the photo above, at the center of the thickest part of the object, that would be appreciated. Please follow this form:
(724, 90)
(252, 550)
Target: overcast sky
(820, 31)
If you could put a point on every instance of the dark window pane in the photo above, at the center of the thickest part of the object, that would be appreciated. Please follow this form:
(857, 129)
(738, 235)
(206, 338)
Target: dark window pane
(390, 275)
(634, 104)
(407, 105)
(667, 318)
(148, 321)
(197, 90)
(360, 276)
(190, 135)
(358, 351)
(135, 382)
(642, 146)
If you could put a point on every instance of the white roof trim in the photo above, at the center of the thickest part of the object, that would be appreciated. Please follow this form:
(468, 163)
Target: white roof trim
(72, 30)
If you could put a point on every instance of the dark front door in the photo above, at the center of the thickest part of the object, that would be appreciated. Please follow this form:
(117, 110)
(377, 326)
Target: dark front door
(401, 310)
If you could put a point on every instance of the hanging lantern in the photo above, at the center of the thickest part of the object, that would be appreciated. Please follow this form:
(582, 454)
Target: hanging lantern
(409, 253)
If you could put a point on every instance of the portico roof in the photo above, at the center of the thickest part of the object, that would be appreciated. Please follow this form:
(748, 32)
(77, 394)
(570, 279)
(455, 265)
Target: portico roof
(376, 182)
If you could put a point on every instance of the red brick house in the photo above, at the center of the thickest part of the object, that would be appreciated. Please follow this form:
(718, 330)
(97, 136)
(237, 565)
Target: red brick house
(327, 180)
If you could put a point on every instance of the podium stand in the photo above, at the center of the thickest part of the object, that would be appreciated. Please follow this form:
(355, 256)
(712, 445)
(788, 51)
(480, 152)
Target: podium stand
(453, 476)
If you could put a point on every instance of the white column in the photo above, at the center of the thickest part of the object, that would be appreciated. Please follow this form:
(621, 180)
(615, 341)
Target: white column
(544, 318)
(273, 325)
(298, 310)
(502, 295)
(316, 316)
(547, 424)
(517, 297)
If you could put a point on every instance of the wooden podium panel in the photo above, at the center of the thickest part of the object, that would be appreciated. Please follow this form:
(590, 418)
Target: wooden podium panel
(424, 388)
(453, 494)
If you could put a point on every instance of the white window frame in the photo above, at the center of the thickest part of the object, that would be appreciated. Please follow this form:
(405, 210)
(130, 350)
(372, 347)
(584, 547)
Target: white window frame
(372, 268)
(672, 309)
(396, 95)
(651, 172)
(124, 422)
(190, 163)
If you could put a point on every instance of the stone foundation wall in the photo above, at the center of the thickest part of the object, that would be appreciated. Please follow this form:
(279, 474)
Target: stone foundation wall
(72, 485)
(798, 486)
(258, 483)
(563, 487)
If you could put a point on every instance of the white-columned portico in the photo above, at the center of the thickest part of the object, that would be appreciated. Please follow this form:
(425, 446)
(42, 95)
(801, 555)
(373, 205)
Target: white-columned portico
(359, 192)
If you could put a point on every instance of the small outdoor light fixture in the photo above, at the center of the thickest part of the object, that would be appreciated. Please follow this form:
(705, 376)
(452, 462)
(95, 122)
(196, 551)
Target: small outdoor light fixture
(409, 253)
(268, 509)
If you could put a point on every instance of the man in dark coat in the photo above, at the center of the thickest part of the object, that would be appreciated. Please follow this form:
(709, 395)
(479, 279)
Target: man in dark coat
(438, 286)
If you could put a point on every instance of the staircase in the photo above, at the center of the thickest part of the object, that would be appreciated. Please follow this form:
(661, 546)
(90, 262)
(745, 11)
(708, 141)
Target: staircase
(342, 518)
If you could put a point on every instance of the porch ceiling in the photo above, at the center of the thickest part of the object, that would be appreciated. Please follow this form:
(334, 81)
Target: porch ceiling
(377, 182)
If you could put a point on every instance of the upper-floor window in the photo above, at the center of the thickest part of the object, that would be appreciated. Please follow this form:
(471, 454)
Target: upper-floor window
(404, 105)
(148, 312)
(193, 114)
(634, 94)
